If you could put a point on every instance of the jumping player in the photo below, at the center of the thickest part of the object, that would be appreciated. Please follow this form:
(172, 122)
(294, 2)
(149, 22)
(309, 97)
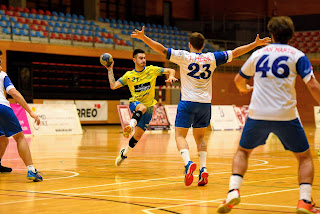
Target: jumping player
(141, 82)
(194, 109)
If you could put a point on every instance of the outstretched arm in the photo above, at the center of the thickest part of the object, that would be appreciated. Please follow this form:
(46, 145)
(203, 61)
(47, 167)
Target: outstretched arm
(246, 48)
(151, 43)
(22, 102)
(113, 83)
(171, 73)
(242, 85)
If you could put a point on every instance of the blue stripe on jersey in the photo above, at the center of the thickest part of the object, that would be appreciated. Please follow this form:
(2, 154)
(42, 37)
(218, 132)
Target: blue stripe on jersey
(121, 81)
(169, 53)
(221, 57)
(161, 71)
(7, 82)
(243, 75)
(303, 66)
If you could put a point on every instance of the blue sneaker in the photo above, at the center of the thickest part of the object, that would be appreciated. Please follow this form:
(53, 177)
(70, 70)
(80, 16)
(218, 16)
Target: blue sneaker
(34, 176)
(203, 176)
(188, 178)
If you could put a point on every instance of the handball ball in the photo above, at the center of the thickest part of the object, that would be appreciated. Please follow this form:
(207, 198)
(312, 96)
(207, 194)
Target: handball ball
(106, 59)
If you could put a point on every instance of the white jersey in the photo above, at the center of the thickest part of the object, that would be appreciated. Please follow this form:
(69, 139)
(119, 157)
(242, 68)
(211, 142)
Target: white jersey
(196, 71)
(275, 68)
(5, 84)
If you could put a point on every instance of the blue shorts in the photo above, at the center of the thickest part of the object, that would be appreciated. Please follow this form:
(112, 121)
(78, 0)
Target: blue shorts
(146, 117)
(197, 115)
(9, 123)
(290, 133)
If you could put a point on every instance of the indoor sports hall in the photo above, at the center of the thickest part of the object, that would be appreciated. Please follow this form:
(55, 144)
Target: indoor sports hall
(51, 51)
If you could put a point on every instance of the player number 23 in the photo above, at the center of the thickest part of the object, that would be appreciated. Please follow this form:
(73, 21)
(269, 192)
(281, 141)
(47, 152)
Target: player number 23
(262, 66)
(195, 68)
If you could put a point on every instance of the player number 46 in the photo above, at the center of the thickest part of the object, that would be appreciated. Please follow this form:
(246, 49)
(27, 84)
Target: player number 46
(262, 66)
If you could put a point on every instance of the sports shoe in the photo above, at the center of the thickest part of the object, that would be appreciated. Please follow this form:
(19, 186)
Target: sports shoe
(203, 176)
(120, 158)
(306, 208)
(226, 207)
(189, 169)
(127, 131)
(4, 169)
(34, 176)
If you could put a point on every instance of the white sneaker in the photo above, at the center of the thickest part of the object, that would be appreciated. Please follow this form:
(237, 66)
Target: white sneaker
(120, 158)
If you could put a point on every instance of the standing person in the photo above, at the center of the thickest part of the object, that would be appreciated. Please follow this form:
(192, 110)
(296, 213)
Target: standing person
(141, 82)
(10, 126)
(273, 109)
(194, 108)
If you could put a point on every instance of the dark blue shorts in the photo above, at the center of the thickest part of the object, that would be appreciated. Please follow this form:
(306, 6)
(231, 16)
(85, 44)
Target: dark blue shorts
(9, 123)
(197, 115)
(146, 117)
(290, 133)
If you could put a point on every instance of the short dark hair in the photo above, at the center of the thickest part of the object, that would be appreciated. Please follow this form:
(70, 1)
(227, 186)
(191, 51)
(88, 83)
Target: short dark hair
(281, 28)
(0, 52)
(196, 40)
(137, 51)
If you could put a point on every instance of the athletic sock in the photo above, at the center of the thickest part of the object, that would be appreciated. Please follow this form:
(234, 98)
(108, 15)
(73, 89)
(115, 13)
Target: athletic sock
(185, 155)
(235, 181)
(305, 191)
(203, 159)
(31, 168)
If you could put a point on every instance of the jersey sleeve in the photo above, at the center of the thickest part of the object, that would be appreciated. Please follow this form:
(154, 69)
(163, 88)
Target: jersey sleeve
(123, 79)
(7, 84)
(247, 70)
(176, 56)
(157, 70)
(222, 57)
(304, 68)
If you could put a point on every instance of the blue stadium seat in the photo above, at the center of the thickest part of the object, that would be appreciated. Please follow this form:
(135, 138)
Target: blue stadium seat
(2, 13)
(56, 30)
(131, 23)
(107, 20)
(142, 24)
(53, 18)
(129, 43)
(90, 28)
(116, 37)
(69, 31)
(17, 25)
(46, 17)
(31, 16)
(113, 25)
(64, 25)
(73, 20)
(78, 27)
(113, 21)
(109, 41)
(50, 23)
(148, 25)
(159, 26)
(131, 27)
(24, 15)
(81, 17)
(12, 19)
(80, 21)
(92, 23)
(97, 34)
(85, 27)
(101, 19)
(86, 22)
(98, 29)
(57, 24)
(84, 33)
(170, 27)
(38, 16)
(33, 33)
(16, 31)
(165, 27)
(5, 18)
(175, 28)
(24, 32)
(68, 15)
(124, 32)
(104, 30)
(185, 33)
(72, 26)
(103, 40)
(61, 14)
(118, 26)
(119, 22)
(125, 22)
(90, 33)
(54, 13)
(60, 19)
(63, 30)
(77, 32)
(136, 24)
(74, 16)
(6, 30)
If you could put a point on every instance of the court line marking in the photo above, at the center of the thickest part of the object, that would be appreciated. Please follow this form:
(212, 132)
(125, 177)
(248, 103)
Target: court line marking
(148, 211)
(75, 174)
(156, 179)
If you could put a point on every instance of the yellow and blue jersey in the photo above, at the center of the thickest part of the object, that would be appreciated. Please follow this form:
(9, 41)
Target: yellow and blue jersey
(142, 84)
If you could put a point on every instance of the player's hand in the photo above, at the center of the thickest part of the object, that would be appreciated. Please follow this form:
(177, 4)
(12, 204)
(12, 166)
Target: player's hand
(111, 66)
(247, 90)
(138, 33)
(261, 42)
(35, 117)
(171, 80)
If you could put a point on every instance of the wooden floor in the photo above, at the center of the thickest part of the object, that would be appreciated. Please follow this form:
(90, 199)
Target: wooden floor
(80, 176)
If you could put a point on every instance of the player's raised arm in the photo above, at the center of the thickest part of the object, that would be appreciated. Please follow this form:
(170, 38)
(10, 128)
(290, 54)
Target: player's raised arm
(246, 48)
(113, 83)
(139, 34)
(171, 73)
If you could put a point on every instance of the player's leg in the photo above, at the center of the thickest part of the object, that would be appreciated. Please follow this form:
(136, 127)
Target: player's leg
(200, 123)
(24, 153)
(139, 130)
(137, 109)
(293, 138)
(254, 134)
(183, 122)
(4, 141)
(198, 134)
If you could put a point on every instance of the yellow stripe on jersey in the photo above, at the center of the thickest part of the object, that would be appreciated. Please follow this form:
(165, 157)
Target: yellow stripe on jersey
(142, 84)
